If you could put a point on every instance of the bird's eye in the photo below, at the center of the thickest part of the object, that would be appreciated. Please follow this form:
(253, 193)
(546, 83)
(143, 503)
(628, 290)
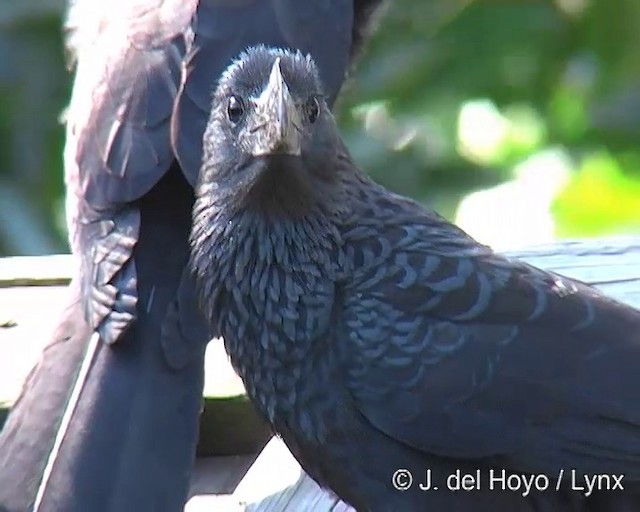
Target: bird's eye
(235, 109)
(313, 109)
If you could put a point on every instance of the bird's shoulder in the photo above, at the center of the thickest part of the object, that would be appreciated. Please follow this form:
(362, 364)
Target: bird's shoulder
(414, 260)
(446, 337)
(127, 72)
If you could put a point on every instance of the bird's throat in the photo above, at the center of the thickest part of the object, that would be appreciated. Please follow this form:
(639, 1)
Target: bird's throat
(268, 285)
(281, 188)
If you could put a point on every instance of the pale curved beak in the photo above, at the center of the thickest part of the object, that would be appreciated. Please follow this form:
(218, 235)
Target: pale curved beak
(277, 118)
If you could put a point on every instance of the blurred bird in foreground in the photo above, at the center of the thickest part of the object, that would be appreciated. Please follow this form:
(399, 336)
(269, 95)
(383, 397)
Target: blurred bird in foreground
(111, 424)
(375, 336)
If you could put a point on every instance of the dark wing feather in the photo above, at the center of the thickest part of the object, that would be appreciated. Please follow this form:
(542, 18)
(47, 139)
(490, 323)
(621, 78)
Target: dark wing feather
(128, 68)
(129, 58)
(459, 352)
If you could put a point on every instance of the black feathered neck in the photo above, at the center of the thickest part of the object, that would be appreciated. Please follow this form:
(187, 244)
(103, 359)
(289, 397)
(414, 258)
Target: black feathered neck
(267, 283)
(282, 188)
(231, 243)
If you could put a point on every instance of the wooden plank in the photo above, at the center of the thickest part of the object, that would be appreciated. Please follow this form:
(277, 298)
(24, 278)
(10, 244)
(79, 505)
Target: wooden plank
(55, 269)
(276, 482)
(593, 260)
(273, 482)
(213, 482)
(219, 475)
(265, 490)
(612, 264)
(29, 316)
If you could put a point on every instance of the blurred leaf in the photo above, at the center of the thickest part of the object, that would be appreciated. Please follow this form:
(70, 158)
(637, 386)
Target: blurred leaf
(600, 199)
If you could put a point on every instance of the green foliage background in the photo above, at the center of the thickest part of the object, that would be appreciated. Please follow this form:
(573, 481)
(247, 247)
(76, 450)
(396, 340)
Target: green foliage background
(538, 98)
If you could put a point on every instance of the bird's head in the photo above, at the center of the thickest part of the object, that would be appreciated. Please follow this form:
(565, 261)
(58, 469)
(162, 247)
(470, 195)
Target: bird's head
(271, 140)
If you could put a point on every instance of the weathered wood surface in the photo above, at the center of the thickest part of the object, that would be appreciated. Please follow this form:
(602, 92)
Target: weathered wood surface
(274, 482)
(611, 264)
(56, 269)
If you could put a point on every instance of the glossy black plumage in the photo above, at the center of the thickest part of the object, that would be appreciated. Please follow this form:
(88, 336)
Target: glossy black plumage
(145, 70)
(375, 335)
(145, 73)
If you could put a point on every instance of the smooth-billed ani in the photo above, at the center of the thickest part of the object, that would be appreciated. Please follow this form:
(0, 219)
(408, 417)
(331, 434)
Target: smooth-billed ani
(376, 336)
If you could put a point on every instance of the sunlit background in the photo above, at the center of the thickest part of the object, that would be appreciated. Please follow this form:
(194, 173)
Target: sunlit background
(519, 120)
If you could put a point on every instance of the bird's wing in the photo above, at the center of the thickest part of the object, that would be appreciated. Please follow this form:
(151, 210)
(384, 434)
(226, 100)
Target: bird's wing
(145, 71)
(461, 353)
(128, 56)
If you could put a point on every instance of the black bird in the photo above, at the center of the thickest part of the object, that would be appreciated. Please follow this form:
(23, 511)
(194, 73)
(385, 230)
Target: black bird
(111, 424)
(377, 338)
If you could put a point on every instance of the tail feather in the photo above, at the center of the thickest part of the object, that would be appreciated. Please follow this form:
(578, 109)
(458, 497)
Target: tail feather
(129, 439)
